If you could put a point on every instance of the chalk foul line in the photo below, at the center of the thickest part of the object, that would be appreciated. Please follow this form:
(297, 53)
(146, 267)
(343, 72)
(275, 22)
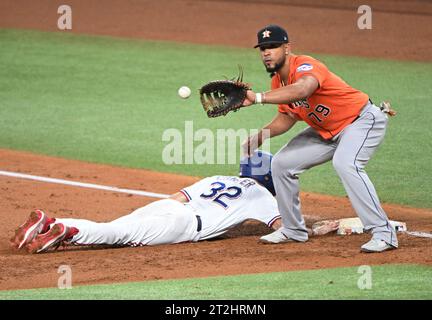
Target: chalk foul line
(83, 184)
(129, 191)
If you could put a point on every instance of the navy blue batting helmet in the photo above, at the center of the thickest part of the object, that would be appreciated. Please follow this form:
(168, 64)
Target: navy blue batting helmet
(258, 167)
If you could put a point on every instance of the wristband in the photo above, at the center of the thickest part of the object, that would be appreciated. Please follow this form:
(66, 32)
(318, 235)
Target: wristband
(258, 98)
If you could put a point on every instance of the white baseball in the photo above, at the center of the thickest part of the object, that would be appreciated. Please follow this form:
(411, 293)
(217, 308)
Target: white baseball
(184, 92)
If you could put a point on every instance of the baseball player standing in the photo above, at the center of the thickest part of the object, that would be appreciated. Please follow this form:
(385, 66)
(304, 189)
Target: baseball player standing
(344, 126)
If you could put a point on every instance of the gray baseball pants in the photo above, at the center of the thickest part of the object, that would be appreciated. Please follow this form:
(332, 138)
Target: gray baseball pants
(350, 151)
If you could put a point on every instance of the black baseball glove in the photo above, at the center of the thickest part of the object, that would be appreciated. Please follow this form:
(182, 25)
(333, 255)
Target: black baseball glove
(222, 96)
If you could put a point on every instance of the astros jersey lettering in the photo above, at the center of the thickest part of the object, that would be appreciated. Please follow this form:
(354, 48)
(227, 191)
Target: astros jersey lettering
(332, 107)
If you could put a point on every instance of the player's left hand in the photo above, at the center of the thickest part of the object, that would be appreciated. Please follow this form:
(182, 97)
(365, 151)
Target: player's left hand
(219, 97)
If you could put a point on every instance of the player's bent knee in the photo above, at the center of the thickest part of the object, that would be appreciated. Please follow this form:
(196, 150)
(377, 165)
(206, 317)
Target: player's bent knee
(283, 166)
(343, 165)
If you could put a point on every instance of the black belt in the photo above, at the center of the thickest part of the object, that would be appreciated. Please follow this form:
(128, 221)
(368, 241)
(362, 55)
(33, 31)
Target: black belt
(356, 118)
(199, 223)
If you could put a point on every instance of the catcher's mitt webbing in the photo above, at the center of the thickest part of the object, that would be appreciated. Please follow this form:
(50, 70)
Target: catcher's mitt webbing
(222, 96)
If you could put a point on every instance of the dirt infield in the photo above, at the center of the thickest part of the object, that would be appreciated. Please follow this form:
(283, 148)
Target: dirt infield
(331, 30)
(230, 254)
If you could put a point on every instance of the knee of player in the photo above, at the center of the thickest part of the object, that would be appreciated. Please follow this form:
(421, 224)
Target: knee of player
(276, 164)
(282, 166)
(343, 164)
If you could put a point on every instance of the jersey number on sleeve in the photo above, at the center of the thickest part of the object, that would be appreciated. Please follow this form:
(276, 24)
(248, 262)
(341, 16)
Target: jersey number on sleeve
(219, 191)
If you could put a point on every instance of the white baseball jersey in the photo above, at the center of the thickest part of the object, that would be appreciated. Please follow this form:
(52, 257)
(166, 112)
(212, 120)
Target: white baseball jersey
(226, 201)
(215, 205)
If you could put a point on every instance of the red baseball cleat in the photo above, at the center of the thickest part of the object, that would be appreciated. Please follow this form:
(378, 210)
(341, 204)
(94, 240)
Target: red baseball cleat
(52, 239)
(37, 223)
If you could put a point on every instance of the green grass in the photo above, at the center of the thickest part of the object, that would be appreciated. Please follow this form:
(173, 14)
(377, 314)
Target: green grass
(387, 282)
(109, 100)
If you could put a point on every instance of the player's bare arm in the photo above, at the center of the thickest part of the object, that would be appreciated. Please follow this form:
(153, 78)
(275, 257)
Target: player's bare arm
(300, 90)
(179, 197)
(280, 124)
(277, 224)
(317, 229)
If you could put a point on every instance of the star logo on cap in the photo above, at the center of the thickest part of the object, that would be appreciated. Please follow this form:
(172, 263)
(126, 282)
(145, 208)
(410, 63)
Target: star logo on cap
(266, 34)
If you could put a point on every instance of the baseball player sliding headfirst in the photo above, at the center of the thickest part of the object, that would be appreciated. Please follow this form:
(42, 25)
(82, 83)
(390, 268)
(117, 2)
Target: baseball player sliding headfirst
(201, 211)
(344, 126)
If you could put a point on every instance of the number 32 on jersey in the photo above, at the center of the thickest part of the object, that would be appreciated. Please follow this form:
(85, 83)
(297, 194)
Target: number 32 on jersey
(221, 191)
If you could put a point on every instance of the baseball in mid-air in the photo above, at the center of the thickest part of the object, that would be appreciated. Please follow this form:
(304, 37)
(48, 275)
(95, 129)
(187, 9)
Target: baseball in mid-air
(184, 92)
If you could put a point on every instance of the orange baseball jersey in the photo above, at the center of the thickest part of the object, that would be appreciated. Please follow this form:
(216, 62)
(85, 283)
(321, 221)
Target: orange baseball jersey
(332, 107)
